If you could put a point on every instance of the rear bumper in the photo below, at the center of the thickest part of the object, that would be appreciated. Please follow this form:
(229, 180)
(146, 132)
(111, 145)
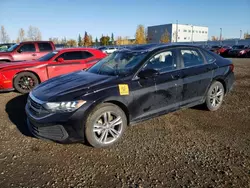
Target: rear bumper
(230, 79)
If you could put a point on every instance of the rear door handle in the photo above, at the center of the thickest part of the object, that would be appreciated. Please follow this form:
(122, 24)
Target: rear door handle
(33, 54)
(176, 76)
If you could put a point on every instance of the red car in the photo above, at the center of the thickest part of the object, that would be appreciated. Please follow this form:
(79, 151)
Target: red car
(29, 50)
(24, 76)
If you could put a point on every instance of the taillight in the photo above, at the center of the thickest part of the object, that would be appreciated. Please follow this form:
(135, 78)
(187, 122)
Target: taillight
(231, 67)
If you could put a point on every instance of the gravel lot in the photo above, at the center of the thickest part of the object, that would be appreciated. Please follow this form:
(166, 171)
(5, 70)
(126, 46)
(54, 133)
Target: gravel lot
(188, 148)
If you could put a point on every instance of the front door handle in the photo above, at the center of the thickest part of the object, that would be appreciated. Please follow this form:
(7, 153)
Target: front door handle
(33, 54)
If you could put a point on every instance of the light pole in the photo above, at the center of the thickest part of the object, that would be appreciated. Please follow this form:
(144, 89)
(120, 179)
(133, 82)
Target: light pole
(192, 33)
(176, 40)
(240, 33)
(220, 35)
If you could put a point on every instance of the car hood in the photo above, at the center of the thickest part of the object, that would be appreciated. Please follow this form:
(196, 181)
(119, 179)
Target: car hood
(16, 64)
(70, 86)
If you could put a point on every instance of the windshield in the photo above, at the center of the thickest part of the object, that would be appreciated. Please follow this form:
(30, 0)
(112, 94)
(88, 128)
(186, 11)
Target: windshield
(120, 63)
(238, 47)
(12, 48)
(48, 56)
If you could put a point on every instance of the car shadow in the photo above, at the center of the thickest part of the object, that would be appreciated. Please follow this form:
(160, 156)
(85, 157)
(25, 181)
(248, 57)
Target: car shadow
(15, 109)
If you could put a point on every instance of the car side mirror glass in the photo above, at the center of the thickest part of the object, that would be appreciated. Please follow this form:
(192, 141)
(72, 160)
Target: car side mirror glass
(148, 73)
(19, 50)
(60, 60)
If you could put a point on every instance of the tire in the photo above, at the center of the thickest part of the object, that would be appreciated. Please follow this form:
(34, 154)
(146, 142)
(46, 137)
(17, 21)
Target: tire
(24, 82)
(215, 96)
(100, 135)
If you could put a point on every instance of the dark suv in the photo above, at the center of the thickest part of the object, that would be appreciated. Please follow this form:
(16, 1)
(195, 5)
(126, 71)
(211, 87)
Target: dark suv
(124, 88)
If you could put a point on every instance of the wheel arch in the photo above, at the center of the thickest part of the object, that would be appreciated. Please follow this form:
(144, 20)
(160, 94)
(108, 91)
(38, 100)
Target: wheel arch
(122, 106)
(222, 81)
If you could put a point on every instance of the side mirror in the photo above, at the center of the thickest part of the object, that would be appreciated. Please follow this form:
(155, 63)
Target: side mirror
(60, 60)
(148, 73)
(19, 50)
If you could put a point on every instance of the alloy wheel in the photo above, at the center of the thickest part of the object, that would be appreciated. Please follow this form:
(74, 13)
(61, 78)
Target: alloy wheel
(108, 127)
(216, 96)
(26, 83)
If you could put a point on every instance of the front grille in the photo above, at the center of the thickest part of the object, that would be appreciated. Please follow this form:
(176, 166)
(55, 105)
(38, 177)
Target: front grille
(53, 132)
(36, 108)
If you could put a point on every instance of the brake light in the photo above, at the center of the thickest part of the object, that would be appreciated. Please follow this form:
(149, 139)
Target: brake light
(231, 67)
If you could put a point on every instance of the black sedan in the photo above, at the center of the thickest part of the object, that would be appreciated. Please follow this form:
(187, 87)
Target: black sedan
(130, 85)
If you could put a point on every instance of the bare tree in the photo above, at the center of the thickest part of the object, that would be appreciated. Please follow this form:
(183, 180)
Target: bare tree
(55, 40)
(4, 38)
(34, 34)
(21, 35)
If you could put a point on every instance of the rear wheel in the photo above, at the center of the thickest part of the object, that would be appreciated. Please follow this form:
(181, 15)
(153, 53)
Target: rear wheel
(24, 82)
(105, 125)
(215, 96)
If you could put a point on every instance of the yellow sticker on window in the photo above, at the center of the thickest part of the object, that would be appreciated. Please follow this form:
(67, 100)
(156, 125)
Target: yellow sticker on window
(123, 89)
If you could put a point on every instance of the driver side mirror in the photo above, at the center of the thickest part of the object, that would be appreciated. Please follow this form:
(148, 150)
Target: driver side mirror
(19, 50)
(60, 60)
(148, 73)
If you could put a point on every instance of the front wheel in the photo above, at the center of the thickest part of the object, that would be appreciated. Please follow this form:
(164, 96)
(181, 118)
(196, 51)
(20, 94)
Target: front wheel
(215, 96)
(24, 82)
(105, 125)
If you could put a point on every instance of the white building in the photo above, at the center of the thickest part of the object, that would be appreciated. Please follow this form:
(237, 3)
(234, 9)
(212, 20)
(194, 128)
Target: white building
(178, 33)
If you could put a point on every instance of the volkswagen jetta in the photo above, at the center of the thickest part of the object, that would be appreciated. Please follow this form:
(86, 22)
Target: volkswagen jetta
(130, 85)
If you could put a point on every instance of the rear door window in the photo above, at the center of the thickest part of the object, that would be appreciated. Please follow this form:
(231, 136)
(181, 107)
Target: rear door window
(209, 58)
(28, 48)
(44, 46)
(191, 57)
(86, 54)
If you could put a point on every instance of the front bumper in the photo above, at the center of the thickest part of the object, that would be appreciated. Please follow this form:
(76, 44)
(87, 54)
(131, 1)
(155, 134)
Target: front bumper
(58, 127)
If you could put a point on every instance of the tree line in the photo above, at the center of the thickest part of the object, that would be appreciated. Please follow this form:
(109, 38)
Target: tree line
(34, 34)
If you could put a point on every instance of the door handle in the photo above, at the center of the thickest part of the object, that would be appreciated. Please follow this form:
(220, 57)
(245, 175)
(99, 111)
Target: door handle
(209, 68)
(33, 54)
(176, 76)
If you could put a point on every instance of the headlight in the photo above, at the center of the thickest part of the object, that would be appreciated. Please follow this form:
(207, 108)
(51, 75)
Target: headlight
(68, 106)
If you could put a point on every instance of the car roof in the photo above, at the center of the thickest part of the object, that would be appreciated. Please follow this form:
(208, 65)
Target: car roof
(33, 41)
(76, 49)
(155, 47)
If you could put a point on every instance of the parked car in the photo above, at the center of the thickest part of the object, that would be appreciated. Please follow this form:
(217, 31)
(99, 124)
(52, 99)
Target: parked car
(215, 49)
(239, 51)
(29, 50)
(4, 47)
(124, 88)
(107, 50)
(223, 51)
(25, 75)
